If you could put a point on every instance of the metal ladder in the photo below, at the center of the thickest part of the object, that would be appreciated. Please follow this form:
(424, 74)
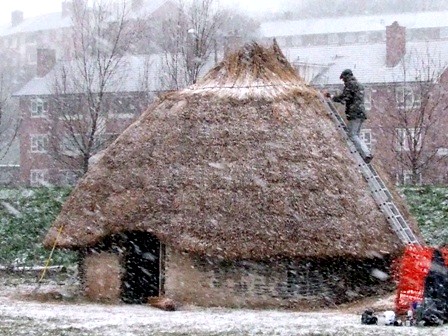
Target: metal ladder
(380, 193)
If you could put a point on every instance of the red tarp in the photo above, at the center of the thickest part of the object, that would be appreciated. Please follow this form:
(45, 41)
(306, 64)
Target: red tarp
(411, 271)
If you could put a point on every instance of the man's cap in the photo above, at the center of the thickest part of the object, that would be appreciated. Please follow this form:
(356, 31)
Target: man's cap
(346, 73)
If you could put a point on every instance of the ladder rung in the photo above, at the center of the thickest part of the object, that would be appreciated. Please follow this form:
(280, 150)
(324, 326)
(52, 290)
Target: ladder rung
(380, 192)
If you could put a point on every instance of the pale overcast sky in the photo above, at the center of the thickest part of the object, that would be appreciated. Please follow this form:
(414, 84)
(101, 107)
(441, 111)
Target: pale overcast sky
(32, 8)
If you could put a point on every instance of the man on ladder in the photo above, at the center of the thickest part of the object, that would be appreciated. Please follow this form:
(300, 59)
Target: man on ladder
(353, 98)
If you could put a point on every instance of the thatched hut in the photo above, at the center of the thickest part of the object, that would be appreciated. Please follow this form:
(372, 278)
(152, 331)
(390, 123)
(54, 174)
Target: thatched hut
(237, 191)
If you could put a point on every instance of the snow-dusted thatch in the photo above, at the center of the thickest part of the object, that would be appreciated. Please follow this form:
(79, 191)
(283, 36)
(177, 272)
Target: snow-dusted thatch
(253, 72)
(244, 164)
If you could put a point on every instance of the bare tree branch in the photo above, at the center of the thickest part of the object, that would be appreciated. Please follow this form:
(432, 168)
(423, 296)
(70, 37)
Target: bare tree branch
(188, 39)
(414, 114)
(102, 35)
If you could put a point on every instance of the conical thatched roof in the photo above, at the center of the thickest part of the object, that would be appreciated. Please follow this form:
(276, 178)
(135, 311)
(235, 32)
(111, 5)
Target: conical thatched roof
(244, 164)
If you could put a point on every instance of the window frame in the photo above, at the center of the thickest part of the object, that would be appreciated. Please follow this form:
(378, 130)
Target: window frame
(402, 139)
(363, 38)
(69, 180)
(350, 38)
(297, 41)
(68, 147)
(442, 151)
(37, 103)
(368, 99)
(39, 143)
(402, 95)
(406, 176)
(333, 39)
(368, 140)
(38, 177)
(443, 33)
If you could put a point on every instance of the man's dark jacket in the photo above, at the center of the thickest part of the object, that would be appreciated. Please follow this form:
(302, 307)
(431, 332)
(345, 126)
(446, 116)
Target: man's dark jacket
(353, 98)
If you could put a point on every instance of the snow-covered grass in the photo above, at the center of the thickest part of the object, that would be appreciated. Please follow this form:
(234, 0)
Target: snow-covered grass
(33, 318)
(429, 205)
(25, 216)
(21, 315)
(25, 315)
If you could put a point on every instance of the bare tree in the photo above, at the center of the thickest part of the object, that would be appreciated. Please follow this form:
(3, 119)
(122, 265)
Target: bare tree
(188, 40)
(9, 121)
(101, 36)
(415, 117)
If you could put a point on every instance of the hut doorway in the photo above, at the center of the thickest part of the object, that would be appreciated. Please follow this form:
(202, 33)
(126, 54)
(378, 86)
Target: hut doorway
(143, 267)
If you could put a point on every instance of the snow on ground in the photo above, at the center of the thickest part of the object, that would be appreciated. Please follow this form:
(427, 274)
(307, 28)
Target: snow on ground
(21, 316)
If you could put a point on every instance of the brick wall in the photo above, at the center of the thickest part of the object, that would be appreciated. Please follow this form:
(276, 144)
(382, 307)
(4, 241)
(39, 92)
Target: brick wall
(123, 108)
(383, 121)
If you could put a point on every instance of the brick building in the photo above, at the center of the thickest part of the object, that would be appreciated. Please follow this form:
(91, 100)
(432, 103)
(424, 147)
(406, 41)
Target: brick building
(51, 152)
(349, 30)
(24, 36)
(405, 79)
(403, 55)
(23, 44)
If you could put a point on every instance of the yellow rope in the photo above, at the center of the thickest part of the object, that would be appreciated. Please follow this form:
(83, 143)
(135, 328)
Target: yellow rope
(51, 254)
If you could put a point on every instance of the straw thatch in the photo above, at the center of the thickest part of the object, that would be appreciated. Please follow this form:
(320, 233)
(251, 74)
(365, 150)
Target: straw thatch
(244, 164)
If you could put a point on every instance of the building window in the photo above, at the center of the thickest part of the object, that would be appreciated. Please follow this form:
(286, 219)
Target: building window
(38, 177)
(281, 40)
(33, 38)
(38, 107)
(31, 57)
(320, 39)
(368, 99)
(14, 42)
(444, 32)
(406, 98)
(333, 39)
(350, 38)
(366, 136)
(442, 151)
(363, 38)
(297, 41)
(124, 108)
(70, 117)
(406, 178)
(408, 139)
(71, 145)
(39, 143)
(70, 177)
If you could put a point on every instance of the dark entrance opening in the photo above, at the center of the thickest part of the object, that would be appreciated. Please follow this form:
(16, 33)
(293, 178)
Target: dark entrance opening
(142, 263)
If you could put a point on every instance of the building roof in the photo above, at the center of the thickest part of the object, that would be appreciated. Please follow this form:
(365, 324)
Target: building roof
(259, 175)
(135, 73)
(368, 61)
(149, 7)
(351, 24)
(49, 21)
(322, 64)
(56, 20)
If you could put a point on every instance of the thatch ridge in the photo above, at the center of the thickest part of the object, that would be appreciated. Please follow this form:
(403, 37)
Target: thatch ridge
(257, 63)
(233, 178)
(253, 71)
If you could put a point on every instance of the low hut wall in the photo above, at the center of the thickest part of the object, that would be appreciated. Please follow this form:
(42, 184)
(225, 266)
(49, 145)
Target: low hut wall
(284, 283)
(102, 273)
